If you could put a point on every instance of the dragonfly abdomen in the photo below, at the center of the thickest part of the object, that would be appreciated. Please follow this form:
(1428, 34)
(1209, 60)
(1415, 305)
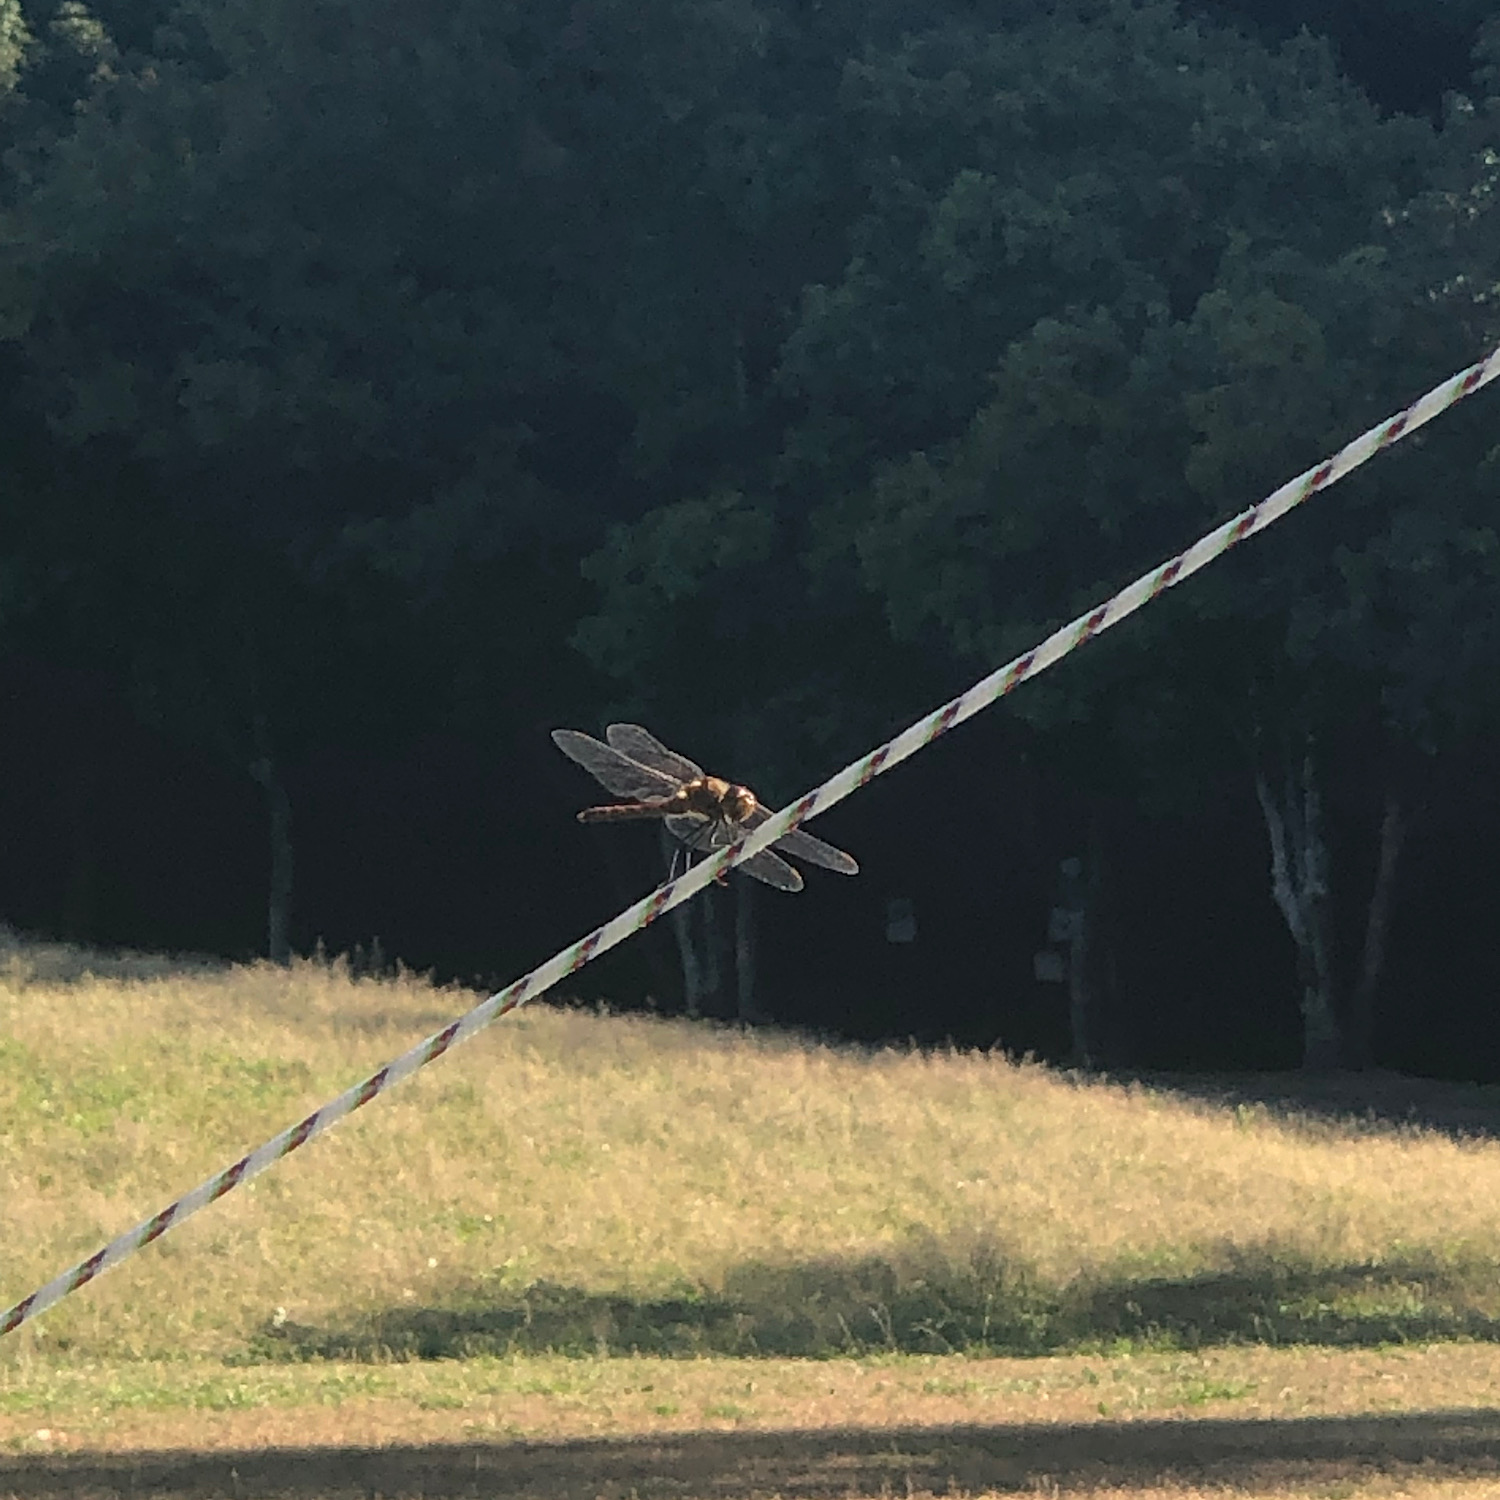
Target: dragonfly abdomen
(622, 812)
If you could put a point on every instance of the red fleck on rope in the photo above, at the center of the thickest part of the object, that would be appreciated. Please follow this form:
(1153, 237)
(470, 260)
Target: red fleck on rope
(997, 685)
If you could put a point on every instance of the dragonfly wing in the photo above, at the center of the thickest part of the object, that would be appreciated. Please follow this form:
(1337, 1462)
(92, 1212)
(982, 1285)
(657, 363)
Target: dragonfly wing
(694, 830)
(644, 747)
(804, 846)
(816, 852)
(773, 870)
(703, 834)
(611, 768)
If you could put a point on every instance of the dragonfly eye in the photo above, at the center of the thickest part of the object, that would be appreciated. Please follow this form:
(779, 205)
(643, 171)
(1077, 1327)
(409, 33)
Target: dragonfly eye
(741, 802)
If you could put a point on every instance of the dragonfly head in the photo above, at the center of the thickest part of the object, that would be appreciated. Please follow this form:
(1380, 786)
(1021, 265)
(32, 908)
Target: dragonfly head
(739, 802)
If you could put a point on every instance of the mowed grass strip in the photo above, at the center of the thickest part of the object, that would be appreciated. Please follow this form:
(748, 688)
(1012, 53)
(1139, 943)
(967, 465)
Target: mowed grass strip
(1256, 1423)
(207, 1405)
(600, 1185)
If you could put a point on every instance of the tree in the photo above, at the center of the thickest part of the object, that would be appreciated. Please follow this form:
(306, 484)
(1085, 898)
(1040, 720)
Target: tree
(1101, 155)
(320, 285)
(1202, 359)
(350, 250)
(1112, 276)
(13, 40)
(1405, 53)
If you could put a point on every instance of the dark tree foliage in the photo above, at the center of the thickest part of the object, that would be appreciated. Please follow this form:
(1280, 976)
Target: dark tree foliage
(1407, 54)
(383, 382)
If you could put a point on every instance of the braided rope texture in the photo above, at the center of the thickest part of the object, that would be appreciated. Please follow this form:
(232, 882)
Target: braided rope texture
(985, 692)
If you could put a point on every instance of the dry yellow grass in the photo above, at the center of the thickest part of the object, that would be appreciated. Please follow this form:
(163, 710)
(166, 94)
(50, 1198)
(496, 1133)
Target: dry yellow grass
(603, 1186)
(597, 1183)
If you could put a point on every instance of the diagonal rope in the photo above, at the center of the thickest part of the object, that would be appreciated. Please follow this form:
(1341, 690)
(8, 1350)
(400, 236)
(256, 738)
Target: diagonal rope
(852, 777)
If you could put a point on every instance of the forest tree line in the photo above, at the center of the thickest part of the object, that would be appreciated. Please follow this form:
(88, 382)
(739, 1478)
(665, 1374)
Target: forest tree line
(385, 381)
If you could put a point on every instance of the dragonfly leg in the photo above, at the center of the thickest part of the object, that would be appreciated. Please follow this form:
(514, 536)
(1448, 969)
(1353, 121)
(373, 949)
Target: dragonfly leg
(700, 840)
(711, 834)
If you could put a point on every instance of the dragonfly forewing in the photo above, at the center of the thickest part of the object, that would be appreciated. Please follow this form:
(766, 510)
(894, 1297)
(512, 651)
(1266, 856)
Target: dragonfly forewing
(612, 769)
(644, 747)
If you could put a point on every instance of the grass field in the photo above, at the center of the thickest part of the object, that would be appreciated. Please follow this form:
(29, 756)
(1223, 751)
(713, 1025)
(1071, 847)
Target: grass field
(610, 1255)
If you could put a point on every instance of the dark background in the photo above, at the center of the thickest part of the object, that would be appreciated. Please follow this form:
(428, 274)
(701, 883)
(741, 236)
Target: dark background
(383, 385)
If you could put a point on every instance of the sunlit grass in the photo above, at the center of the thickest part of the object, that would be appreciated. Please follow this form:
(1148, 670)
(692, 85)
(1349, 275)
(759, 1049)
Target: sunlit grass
(599, 1184)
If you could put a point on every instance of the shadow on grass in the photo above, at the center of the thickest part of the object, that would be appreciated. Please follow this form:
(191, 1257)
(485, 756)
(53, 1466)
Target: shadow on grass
(928, 1302)
(1374, 1101)
(1020, 1458)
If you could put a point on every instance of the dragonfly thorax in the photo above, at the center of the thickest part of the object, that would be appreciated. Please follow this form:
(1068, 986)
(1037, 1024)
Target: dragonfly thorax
(713, 797)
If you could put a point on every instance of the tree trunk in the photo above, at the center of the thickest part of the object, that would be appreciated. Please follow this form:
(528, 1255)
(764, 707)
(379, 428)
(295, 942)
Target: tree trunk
(1080, 994)
(1361, 1028)
(1299, 886)
(713, 967)
(692, 970)
(80, 909)
(681, 918)
(1082, 895)
(1088, 957)
(744, 953)
(279, 813)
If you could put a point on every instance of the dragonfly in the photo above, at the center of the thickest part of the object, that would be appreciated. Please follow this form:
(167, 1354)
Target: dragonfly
(700, 811)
